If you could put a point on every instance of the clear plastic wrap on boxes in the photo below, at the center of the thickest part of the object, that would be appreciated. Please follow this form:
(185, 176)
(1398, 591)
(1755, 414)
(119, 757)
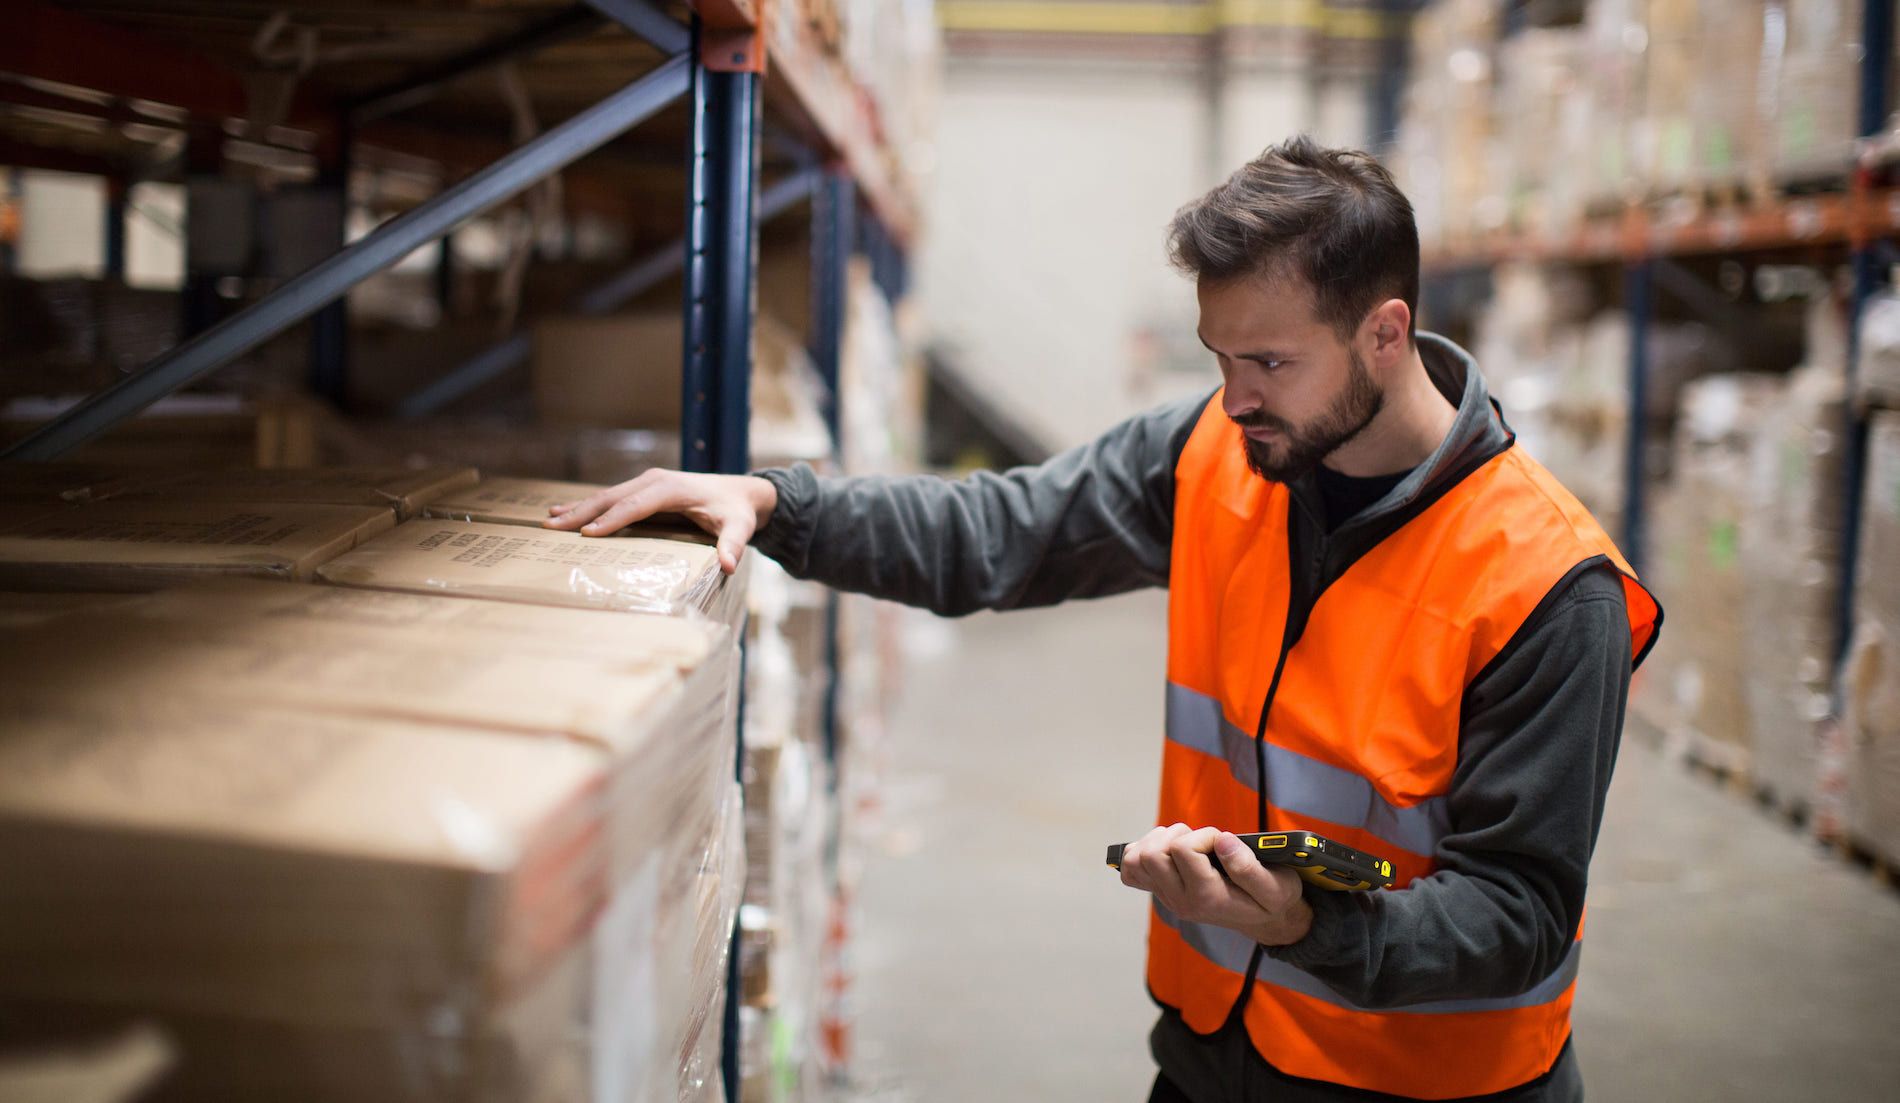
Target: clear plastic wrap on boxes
(1870, 680)
(674, 574)
(1810, 76)
(378, 891)
(1790, 561)
(1877, 375)
(1696, 686)
(136, 544)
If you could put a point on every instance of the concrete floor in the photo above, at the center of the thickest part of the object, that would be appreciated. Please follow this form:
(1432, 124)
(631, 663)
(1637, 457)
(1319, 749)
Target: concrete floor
(997, 958)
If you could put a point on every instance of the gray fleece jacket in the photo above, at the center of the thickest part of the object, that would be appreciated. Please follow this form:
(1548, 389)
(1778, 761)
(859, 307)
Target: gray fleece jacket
(1538, 729)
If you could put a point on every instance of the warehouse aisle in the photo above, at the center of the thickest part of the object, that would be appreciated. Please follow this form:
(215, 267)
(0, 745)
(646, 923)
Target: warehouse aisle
(996, 958)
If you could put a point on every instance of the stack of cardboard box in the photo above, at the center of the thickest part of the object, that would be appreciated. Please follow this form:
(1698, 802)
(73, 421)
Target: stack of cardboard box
(342, 843)
(1695, 686)
(1790, 561)
(789, 822)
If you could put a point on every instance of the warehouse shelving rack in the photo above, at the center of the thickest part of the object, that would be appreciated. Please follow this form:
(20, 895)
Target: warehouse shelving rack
(1863, 219)
(731, 63)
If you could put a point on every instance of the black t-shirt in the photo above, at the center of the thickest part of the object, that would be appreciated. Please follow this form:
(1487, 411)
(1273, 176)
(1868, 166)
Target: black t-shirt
(1344, 496)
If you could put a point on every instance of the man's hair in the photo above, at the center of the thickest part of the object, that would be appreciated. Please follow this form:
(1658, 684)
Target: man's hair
(1330, 217)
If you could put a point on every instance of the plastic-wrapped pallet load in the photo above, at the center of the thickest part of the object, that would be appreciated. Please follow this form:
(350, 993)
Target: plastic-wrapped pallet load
(1871, 675)
(1696, 691)
(331, 876)
(509, 501)
(403, 490)
(1811, 76)
(142, 544)
(1730, 142)
(1877, 375)
(545, 567)
(788, 824)
(1789, 545)
(406, 491)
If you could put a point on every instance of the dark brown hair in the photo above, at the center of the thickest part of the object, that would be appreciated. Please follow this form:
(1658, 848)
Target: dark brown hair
(1332, 217)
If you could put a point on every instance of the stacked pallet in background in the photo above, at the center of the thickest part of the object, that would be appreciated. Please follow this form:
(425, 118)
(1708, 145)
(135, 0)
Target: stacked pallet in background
(1790, 544)
(1694, 688)
(1870, 730)
(341, 843)
(1697, 100)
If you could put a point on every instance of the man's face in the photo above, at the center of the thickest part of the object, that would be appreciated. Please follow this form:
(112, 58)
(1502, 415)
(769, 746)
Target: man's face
(1294, 387)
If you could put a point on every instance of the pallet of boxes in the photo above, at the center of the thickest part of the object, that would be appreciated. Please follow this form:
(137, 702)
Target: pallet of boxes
(1865, 774)
(328, 795)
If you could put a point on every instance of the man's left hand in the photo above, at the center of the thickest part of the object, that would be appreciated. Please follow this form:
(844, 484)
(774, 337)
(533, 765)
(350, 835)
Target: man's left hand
(1177, 865)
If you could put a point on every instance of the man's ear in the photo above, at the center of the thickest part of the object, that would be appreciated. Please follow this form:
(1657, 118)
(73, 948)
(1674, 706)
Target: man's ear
(1389, 328)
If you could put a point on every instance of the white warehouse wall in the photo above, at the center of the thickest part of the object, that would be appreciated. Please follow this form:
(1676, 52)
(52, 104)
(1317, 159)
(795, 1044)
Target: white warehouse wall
(1043, 268)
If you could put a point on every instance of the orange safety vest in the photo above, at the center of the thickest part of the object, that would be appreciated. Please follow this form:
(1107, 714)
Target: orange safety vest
(1361, 717)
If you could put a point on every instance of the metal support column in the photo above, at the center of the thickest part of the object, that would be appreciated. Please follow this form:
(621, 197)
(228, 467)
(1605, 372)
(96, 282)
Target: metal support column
(305, 294)
(12, 221)
(1877, 40)
(445, 274)
(330, 329)
(198, 303)
(722, 238)
(721, 244)
(1639, 303)
(834, 207)
(118, 188)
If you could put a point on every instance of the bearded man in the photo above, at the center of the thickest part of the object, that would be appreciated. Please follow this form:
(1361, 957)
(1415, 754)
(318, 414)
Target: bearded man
(1387, 625)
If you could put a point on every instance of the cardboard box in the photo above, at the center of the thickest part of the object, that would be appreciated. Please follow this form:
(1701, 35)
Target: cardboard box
(310, 919)
(539, 566)
(49, 483)
(188, 432)
(619, 371)
(123, 544)
(596, 635)
(355, 845)
(623, 372)
(508, 501)
(1789, 543)
(403, 490)
(24, 609)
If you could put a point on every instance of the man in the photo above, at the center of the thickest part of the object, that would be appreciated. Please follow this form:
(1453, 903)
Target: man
(1386, 624)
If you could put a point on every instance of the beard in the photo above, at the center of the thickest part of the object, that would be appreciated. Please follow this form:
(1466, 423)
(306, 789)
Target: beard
(1304, 446)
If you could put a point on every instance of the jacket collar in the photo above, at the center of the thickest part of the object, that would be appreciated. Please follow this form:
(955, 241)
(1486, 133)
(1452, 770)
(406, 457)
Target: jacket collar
(1478, 433)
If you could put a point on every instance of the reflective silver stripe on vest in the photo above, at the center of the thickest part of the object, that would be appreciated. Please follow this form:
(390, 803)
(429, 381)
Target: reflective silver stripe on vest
(1301, 785)
(1232, 951)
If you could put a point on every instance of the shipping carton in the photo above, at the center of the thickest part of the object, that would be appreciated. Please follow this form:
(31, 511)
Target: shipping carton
(1789, 545)
(141, 545)
(350, 844)
(545, 567)
(508, 501)
(403, 490)
(333, 908)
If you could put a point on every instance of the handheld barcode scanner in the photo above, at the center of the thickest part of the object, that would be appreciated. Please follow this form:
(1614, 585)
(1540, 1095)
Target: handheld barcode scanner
(1318, 860)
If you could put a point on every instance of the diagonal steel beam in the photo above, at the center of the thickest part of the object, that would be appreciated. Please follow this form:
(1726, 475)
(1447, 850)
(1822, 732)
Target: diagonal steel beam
(420, 87)
(605, 298)
(645, 19)
(303, 296)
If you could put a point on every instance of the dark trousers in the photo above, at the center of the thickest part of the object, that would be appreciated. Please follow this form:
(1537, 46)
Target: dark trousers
(1165, 1091)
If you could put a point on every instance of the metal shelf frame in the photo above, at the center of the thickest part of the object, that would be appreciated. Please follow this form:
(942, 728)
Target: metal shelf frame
(718, 64)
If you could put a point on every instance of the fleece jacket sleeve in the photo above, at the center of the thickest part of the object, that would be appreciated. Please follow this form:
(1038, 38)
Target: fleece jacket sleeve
(1092, 521)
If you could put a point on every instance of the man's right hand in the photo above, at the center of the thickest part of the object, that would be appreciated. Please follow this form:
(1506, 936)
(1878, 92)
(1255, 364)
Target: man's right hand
(730, 507)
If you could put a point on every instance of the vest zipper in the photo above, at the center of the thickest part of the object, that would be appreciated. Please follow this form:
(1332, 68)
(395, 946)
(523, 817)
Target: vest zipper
(1299, 606)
